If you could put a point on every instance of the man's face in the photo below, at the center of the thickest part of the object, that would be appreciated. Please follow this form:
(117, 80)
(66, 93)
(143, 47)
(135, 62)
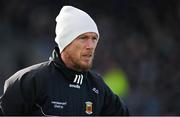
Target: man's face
(79, 54)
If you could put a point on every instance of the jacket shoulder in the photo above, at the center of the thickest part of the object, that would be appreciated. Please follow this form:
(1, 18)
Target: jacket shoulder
(27, 72)
(23, 89)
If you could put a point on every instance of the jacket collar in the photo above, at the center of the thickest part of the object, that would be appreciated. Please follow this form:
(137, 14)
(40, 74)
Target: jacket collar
(58, 62)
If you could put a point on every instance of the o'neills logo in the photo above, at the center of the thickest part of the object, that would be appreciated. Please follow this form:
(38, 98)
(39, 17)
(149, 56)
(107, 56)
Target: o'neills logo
(78, 80)
(89, 107)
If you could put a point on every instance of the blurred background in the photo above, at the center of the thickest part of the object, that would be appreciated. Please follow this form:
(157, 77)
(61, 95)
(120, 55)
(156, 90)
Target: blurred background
(138, 52)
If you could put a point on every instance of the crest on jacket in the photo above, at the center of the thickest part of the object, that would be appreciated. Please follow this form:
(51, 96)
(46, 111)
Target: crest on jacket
(89, 108)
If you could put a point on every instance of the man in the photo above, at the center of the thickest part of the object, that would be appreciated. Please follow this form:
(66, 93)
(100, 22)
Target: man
(64, 85)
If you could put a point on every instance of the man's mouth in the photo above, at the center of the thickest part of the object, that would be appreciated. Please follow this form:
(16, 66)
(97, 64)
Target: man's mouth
(87, 55)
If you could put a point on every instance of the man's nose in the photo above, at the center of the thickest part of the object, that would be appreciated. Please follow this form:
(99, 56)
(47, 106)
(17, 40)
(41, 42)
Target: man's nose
(90, 44)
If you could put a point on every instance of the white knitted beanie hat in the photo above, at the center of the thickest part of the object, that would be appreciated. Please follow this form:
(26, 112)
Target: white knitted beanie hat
(72, 22)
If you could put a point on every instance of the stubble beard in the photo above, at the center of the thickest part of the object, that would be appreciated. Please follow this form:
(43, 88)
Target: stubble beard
(82, 65)
(78, 64)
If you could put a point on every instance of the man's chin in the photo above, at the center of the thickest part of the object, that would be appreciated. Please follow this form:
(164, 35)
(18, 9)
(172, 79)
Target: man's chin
(86, 66)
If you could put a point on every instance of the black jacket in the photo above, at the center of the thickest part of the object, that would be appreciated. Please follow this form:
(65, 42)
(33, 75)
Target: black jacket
(50, 88)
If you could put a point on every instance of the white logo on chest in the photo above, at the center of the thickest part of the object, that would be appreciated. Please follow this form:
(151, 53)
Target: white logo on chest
(78, 80)
(95, 90)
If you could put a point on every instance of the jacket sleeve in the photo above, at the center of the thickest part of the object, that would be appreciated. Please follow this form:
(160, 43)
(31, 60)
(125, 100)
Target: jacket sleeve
(19, 94)
(113, 105)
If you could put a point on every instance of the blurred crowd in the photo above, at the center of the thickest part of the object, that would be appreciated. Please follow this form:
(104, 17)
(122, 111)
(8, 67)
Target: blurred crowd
(138, 37)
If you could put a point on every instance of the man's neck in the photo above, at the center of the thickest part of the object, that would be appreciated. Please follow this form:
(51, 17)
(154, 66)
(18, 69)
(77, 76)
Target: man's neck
(69, 64)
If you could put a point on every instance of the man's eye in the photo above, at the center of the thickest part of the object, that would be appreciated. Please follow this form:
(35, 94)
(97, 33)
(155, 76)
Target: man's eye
(95, 39)
(82, 37)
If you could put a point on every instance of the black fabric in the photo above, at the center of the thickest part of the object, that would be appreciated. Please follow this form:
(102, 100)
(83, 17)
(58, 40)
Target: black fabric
(50, 88)
(1, 113)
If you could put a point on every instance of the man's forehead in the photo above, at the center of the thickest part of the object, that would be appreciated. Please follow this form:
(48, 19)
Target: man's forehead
(89, 34)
